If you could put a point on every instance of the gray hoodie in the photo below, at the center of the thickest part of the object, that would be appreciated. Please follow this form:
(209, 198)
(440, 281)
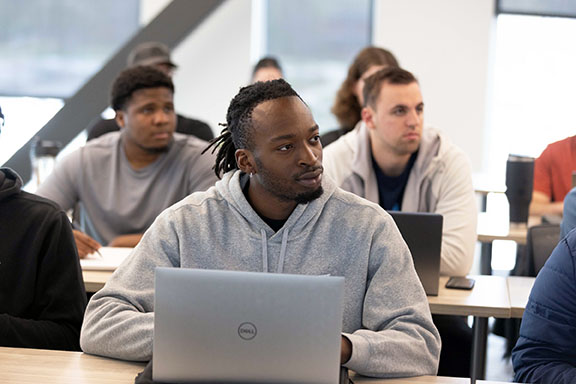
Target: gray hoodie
(386, 313)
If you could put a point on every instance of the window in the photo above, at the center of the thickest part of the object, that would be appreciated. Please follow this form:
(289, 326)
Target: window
(534, 80)
(49, 48)
(315, 42)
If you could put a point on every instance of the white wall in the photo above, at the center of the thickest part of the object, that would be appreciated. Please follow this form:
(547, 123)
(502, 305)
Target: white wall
(446, 44)
(213, 62)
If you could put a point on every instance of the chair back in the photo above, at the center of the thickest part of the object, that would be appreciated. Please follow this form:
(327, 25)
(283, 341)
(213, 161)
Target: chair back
(541, 241)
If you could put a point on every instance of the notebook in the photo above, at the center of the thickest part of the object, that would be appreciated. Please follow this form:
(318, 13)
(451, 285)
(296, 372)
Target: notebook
(422, 232)
(108, 260)
(246, 327)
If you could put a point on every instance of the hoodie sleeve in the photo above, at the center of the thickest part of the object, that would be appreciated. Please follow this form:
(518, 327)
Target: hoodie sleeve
(119, 320)
(398, 338)
(54, 318)
(457, 204)
(61, 186)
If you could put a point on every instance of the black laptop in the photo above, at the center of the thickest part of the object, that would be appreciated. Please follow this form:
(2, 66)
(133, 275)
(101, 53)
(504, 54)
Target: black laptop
(422, 232)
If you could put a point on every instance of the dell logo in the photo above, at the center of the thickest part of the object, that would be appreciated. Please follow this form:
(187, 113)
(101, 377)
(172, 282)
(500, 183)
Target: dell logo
(247, 331)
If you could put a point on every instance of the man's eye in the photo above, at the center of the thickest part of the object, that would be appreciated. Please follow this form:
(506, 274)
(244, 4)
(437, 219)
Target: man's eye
(285, 147)
(315, 139)
(399, 111)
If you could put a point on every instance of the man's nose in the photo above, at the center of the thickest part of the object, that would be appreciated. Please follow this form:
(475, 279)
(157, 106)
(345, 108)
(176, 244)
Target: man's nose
(309, 155)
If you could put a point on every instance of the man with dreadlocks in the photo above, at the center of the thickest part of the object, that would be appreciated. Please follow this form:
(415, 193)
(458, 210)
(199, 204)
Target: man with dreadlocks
(272, 211)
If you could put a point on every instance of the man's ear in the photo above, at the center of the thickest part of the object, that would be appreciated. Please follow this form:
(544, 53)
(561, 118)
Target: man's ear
(368, 117)
(245, 161)
(120, 119)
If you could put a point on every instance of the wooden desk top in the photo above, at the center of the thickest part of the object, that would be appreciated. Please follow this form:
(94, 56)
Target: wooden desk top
(32, 366)
(414, 380)
(519, 288)
(488, 298)
(492, 227)
(20, 365)
(95, 280)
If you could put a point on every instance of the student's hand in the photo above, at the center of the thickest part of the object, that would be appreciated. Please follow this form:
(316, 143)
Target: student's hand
(85, 244)
(128, 241)
(345, 350)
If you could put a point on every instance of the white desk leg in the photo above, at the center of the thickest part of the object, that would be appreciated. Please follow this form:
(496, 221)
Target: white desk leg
(479, 343)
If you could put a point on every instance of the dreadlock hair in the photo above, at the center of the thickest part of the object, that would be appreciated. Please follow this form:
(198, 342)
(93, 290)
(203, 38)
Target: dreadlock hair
(237, 131)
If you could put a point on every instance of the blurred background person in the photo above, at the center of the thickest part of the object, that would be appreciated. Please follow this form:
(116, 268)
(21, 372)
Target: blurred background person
(157, 55)
(349, 100)
(266, 69)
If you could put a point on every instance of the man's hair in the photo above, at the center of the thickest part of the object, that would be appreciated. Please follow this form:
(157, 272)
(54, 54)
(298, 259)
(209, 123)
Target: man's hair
(347, 108)
(239, 123)
(373, 84)
(133, 79)
(267, 62)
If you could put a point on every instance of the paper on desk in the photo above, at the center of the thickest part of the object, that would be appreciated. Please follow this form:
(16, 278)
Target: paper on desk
(111, 258)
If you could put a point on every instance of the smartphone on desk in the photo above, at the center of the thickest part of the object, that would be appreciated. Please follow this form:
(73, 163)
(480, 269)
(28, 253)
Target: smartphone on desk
(457, 282)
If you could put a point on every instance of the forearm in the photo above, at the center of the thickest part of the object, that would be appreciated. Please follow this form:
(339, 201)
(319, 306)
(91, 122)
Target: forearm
(404, 350)
(42, 334)
(128, 241)
(115, 329)
(541, 366)
(546, 208)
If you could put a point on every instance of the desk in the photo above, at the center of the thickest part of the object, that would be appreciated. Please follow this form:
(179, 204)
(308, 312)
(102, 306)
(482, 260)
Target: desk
(489, 298)
(519, 288)
(492, 227)
(413, 380)
(95, 280)
(21, 365)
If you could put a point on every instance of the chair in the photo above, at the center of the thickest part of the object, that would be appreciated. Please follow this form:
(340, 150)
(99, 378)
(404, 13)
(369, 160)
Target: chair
(540, 242)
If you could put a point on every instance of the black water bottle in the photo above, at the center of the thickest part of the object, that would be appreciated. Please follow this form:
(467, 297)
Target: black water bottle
(519, 185)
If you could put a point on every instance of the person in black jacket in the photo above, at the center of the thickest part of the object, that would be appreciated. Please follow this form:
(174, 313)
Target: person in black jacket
(156, 55)
(42, 296)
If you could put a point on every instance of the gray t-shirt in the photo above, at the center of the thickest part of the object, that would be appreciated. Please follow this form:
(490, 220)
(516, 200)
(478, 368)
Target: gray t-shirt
(114, 199)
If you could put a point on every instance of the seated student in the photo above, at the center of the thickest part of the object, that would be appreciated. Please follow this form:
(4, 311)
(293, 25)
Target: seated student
(266, 69)
(546, 349)
(349, 100)
(42, 297)
(569, 213)
(156, 55)
(273, 211)
(553, 177)
(390, 159)
(123, 180)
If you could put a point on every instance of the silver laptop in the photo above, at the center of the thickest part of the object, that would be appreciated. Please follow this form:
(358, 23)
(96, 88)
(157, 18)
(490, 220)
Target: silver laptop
(239, 327)
(422, 232)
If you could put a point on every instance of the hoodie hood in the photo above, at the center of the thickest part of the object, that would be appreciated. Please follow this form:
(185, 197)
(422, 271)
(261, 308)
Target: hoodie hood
(303, 216)
(10, 183)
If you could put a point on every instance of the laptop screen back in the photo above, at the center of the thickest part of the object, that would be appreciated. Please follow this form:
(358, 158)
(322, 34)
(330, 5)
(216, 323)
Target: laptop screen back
(224, 326)
(422, 232)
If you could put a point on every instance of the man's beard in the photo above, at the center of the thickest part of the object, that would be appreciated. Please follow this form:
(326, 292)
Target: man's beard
(158, 150)
(273, 185)
(305, 198)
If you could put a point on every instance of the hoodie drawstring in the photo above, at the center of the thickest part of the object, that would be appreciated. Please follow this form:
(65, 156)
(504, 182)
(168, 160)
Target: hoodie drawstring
(264, 251)
(280, 268)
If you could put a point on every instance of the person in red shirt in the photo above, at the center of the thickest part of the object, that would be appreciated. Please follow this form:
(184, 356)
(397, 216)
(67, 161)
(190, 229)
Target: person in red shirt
(553, 177)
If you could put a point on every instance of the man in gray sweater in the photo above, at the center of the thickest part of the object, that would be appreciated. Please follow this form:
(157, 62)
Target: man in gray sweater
(272, 211)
